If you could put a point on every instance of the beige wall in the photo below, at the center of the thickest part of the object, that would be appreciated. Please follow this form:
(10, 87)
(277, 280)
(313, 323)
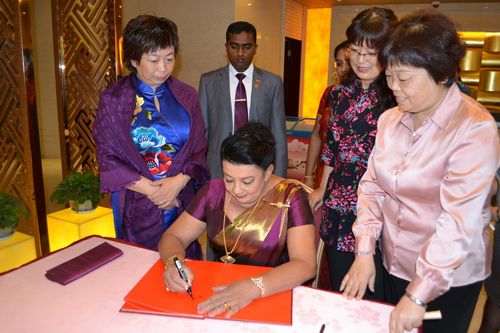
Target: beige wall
(469, 17)
(268, 16)
(202, 31)
(202, 26)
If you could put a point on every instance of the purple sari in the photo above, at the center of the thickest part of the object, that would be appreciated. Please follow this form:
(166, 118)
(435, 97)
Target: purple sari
(263, 240)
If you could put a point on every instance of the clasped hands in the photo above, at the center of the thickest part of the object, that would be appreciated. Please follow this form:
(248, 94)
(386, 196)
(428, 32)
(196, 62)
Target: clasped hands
(405, 316)
(229, 299)
(164, 192)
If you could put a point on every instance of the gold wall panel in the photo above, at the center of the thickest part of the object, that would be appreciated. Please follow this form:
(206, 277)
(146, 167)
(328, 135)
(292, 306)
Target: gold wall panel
(86, 32)
(19, 147)
(490, 60)
(474, 43)
(471, 60)
(484, 80)
(473, 39)
(492, 44)
(489, 81)
(470, 78)
(488, 98)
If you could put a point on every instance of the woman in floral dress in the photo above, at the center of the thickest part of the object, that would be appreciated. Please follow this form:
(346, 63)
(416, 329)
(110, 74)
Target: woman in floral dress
(356, 106)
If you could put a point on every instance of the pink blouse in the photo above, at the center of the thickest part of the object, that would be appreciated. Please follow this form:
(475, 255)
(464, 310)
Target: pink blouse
(427, 191)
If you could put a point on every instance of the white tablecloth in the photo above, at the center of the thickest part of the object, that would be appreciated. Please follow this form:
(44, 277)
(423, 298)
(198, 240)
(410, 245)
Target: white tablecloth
(32, 303)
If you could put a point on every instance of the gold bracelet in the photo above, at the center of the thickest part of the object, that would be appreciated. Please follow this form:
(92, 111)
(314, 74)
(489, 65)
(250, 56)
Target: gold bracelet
(308, 177)
(170, 260)
(259, 284)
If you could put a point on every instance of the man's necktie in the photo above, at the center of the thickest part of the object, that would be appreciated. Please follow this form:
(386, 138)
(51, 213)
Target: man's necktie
(240, 103)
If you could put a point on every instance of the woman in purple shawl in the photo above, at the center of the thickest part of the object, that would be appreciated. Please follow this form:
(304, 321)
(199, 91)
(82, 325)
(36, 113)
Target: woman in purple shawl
(149, 136)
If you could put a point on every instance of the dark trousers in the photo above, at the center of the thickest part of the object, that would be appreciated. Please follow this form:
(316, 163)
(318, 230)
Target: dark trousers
(456, 305)
(339, 263)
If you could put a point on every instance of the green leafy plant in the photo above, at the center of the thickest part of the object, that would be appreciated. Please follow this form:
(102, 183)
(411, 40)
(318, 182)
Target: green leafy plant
(78, 187)
(11, 209)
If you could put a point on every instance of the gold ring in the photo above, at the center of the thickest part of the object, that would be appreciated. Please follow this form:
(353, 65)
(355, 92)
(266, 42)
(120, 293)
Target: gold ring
(227, 307)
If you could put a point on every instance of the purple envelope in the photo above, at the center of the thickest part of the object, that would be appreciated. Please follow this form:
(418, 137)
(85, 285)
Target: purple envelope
(85, 263)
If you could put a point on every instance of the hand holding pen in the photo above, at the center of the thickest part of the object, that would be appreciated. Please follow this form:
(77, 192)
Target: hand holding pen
(183, 275)
(171, 276)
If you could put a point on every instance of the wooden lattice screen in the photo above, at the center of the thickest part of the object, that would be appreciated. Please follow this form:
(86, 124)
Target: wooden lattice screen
(20, 162)
(86, 32)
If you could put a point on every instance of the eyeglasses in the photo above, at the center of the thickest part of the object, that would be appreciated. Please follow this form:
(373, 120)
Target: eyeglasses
(357, 53)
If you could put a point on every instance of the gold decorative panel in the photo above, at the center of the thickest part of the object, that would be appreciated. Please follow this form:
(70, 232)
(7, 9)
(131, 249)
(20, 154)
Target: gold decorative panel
(489, 81)
(472, 60)
(492, 44)
(86, 34)
(470, 66)
(481, 68)
(19, 148)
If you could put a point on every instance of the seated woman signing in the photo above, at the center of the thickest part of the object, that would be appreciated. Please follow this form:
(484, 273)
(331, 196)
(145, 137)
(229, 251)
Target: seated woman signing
(252, 217)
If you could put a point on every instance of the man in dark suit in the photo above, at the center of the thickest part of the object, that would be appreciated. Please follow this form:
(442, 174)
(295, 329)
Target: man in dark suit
(264, 97)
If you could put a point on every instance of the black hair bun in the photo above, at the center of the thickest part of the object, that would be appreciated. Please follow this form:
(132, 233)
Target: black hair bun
(259, 131)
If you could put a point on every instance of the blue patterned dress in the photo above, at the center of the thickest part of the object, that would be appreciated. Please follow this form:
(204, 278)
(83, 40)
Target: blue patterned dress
(158, 135)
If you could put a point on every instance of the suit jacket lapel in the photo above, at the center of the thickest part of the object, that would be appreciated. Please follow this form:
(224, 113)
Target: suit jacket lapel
(224, 94)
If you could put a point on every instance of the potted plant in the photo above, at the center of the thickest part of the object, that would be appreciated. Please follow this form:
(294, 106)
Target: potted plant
(81, 191)
(11, 209)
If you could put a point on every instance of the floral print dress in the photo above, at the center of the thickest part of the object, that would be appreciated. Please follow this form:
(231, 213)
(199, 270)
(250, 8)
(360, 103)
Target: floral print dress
(349, 140)
(159, 131)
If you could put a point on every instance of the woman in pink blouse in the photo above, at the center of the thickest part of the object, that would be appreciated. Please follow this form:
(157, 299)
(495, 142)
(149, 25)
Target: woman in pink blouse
(426, 191)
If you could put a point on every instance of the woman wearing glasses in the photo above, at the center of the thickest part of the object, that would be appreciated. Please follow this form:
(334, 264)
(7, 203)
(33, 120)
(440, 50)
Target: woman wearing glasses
(355, 108)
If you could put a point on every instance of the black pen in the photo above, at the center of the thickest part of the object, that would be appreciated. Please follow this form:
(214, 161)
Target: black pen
(183, 276)
(322, 329)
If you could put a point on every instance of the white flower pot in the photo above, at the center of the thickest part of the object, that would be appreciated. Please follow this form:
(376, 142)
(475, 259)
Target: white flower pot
(82, 208)
(6, 233)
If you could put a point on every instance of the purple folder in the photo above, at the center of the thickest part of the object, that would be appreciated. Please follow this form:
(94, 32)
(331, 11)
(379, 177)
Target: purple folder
(85, 263)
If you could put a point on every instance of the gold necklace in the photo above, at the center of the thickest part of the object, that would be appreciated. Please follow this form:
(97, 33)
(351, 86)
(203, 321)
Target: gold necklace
(227, 258)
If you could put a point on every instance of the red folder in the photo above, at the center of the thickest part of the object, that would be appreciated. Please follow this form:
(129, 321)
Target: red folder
(149, 295)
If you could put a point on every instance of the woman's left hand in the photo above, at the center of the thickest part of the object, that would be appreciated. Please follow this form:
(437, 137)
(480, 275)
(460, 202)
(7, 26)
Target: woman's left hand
(166, 196)
(406, 316)
(316, 198)
(230, 298)
(360, 276)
